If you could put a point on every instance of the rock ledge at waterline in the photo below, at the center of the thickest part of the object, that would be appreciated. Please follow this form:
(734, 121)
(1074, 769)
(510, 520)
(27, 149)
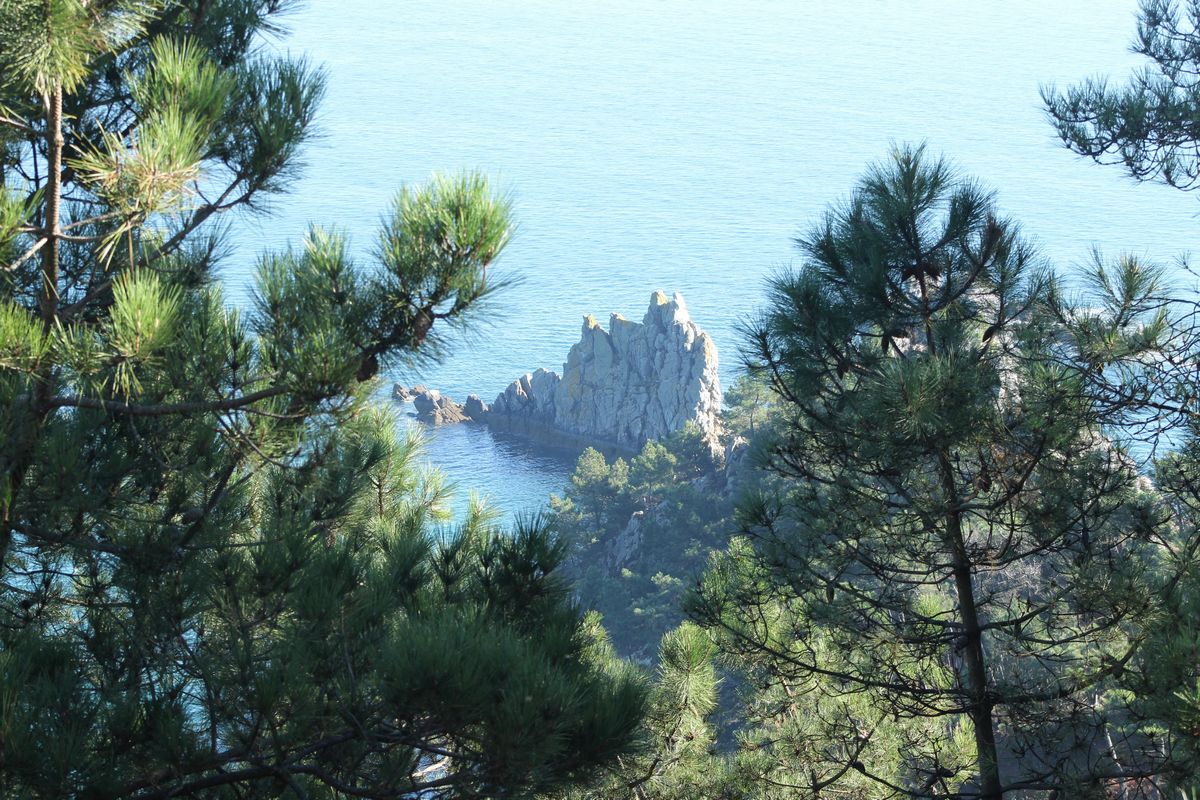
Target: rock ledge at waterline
(619, 387)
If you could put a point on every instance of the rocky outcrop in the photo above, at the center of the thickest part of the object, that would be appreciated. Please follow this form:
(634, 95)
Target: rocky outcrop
(474, 408)
(432, 406)
(438, 409)
(736, 463)
(623, 386)
(627, 544)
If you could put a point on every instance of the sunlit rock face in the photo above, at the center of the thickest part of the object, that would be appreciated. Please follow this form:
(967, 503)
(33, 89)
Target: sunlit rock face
(623, 386)
(434, 407)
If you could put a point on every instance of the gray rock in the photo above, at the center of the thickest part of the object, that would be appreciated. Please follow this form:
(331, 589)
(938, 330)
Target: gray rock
(474, 408)
(400, 393)
(435, 408)
(425, 401)
(736, 464)
(627, 544)
(736, 450)
(623, 386)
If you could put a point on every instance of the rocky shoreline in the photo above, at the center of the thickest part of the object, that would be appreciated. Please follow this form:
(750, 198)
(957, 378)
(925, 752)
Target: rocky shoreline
(619, 387)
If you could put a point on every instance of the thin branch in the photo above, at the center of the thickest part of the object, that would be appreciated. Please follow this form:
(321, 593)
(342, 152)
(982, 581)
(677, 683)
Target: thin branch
(162, 409)
(18, 125)
(28, 254)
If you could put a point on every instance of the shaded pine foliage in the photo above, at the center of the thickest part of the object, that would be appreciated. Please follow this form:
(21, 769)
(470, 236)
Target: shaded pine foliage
(957, 563)
(220, 573)
(676, 754)
(641, 529)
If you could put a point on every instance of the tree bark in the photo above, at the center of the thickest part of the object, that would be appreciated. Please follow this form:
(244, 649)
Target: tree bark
(19, 459)
(974, 662)
(52, 229)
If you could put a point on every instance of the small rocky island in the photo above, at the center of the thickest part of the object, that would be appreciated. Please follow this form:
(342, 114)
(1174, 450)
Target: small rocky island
(619, 387)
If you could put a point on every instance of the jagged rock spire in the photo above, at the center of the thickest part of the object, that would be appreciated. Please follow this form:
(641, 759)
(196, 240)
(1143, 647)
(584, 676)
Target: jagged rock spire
(623, 386)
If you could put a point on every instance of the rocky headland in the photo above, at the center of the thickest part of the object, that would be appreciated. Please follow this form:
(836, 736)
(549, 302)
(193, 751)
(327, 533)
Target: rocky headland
(623, 386)
(619, 387)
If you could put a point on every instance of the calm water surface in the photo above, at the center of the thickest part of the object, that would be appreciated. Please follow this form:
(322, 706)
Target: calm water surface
(682, 145)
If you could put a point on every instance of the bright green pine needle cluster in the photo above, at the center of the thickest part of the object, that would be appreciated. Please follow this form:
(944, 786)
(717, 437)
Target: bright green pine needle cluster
(56, 42)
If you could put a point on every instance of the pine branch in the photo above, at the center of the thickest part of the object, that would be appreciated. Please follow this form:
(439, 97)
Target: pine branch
(162, 409)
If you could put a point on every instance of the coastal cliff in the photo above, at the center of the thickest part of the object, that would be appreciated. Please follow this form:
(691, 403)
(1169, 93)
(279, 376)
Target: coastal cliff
(623, 386)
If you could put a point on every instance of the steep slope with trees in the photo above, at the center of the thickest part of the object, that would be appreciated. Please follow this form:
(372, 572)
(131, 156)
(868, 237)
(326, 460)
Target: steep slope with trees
(953, 580)
(642, 529)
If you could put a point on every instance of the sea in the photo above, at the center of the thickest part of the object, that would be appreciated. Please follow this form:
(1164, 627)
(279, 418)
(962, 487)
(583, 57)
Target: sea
(682, 146)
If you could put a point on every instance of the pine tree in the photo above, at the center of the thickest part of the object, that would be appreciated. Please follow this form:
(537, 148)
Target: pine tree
(1148, 125)
(676, 759)
(220, 571)
(958, 560)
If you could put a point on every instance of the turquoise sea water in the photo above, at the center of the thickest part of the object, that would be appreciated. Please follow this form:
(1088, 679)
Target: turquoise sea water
(681, 145)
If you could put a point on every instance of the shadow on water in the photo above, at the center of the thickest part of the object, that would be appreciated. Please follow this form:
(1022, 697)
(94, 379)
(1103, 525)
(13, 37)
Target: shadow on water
(510, 472)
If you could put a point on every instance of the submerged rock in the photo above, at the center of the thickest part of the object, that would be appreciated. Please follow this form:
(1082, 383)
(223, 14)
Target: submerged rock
(623, 386)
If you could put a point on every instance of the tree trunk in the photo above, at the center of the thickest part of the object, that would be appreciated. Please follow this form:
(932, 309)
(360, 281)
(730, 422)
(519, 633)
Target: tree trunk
(22, 443)
(975, 672)
(52, 230)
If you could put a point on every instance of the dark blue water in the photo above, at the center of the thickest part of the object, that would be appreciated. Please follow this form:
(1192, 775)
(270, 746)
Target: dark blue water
(680, 145)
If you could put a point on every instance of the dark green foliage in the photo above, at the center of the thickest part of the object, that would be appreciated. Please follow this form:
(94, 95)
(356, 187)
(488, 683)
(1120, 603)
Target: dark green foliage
(312, 639)
(221, 575)
(751, 408)
(1161, 683)
(955, 558)
(1148, 127)
(642, 529)
(676, 759)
